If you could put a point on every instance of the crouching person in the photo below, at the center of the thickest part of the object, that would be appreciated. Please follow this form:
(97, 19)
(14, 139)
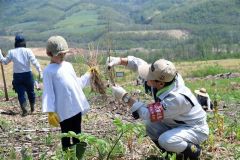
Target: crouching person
(204, 99)
(175, 124)
(63, 98)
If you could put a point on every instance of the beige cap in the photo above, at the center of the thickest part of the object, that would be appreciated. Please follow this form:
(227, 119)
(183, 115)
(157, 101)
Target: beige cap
(161, 70)
(201, 92)
(56, 45)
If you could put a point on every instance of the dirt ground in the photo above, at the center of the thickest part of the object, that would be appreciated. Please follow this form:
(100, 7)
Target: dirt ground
(33, 133)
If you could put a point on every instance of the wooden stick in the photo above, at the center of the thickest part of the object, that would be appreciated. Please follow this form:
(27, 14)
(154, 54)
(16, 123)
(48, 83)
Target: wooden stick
(4, 83)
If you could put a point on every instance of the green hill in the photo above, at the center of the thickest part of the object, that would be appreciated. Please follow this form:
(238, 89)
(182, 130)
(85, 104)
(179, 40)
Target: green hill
(210, 24)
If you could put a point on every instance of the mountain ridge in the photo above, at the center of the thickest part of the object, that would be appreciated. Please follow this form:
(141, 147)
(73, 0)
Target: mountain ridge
(84, 21)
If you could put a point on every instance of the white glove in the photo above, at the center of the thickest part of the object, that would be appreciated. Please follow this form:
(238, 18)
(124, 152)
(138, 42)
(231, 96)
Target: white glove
(113, 61)
(1, 56)
(118, 92)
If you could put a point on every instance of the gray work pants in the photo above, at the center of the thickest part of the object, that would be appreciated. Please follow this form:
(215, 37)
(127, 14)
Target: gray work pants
(176, 139)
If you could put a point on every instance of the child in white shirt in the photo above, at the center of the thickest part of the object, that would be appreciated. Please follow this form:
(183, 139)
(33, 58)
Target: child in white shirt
(63, 97)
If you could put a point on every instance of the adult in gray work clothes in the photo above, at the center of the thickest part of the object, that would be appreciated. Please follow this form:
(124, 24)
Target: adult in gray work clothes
(175, 124)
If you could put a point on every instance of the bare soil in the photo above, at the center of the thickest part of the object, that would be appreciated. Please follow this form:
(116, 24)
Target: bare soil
(33, 135)
(30, 133)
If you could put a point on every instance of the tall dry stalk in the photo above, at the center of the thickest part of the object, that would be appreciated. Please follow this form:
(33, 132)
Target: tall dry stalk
(97, 84)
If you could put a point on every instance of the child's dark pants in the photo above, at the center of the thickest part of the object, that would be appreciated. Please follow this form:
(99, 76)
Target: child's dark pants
(71, 124)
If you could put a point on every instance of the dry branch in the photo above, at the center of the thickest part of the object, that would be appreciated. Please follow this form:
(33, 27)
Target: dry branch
(4, 82)
(97, 84)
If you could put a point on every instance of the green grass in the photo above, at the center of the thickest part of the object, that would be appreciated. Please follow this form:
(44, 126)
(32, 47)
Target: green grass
(85, 21)
(227, 90)
(11, 93)
(5, 124)
(220, 89)
(210, 70)
(79, 19)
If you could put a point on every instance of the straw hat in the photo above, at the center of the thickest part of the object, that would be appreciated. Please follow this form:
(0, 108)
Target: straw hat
(202, 92)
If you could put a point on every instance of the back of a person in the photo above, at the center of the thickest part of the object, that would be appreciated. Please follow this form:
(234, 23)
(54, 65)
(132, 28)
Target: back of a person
(66, 89)
(204, 99)
(63, 78)
(184, 102)
(23, 79)
(190, 115)
(20, 58)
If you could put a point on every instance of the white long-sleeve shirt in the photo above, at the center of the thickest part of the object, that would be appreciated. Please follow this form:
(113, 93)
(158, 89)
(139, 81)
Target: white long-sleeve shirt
(22, 58)
(62, 92)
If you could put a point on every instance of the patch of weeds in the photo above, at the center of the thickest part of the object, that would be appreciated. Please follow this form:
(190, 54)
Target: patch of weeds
(49, 139)
(4, 124)
(1, 153)
(38, 93)
(219, 89)
(43, 156)
(12, 154)
(11, 93)
(25, 153)
(59, 154)
(111, 147)
(209, 70)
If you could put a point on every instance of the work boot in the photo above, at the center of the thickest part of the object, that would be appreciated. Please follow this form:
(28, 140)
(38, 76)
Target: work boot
(32, 107)
(192, 152)
(24, 110)
(80, 149)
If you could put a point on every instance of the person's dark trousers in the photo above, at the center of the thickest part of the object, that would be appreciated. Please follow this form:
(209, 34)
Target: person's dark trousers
(24, 82)
(71, 124)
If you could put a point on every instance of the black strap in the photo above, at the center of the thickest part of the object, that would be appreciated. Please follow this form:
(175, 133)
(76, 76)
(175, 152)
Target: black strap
(188, 99)
(179, 122)
(154, 92)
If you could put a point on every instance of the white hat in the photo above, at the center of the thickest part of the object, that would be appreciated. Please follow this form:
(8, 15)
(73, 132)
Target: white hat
(161, 70)
(201, 92)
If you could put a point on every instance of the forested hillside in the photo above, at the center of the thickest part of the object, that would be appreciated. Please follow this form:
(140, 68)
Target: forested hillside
(176, 28)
